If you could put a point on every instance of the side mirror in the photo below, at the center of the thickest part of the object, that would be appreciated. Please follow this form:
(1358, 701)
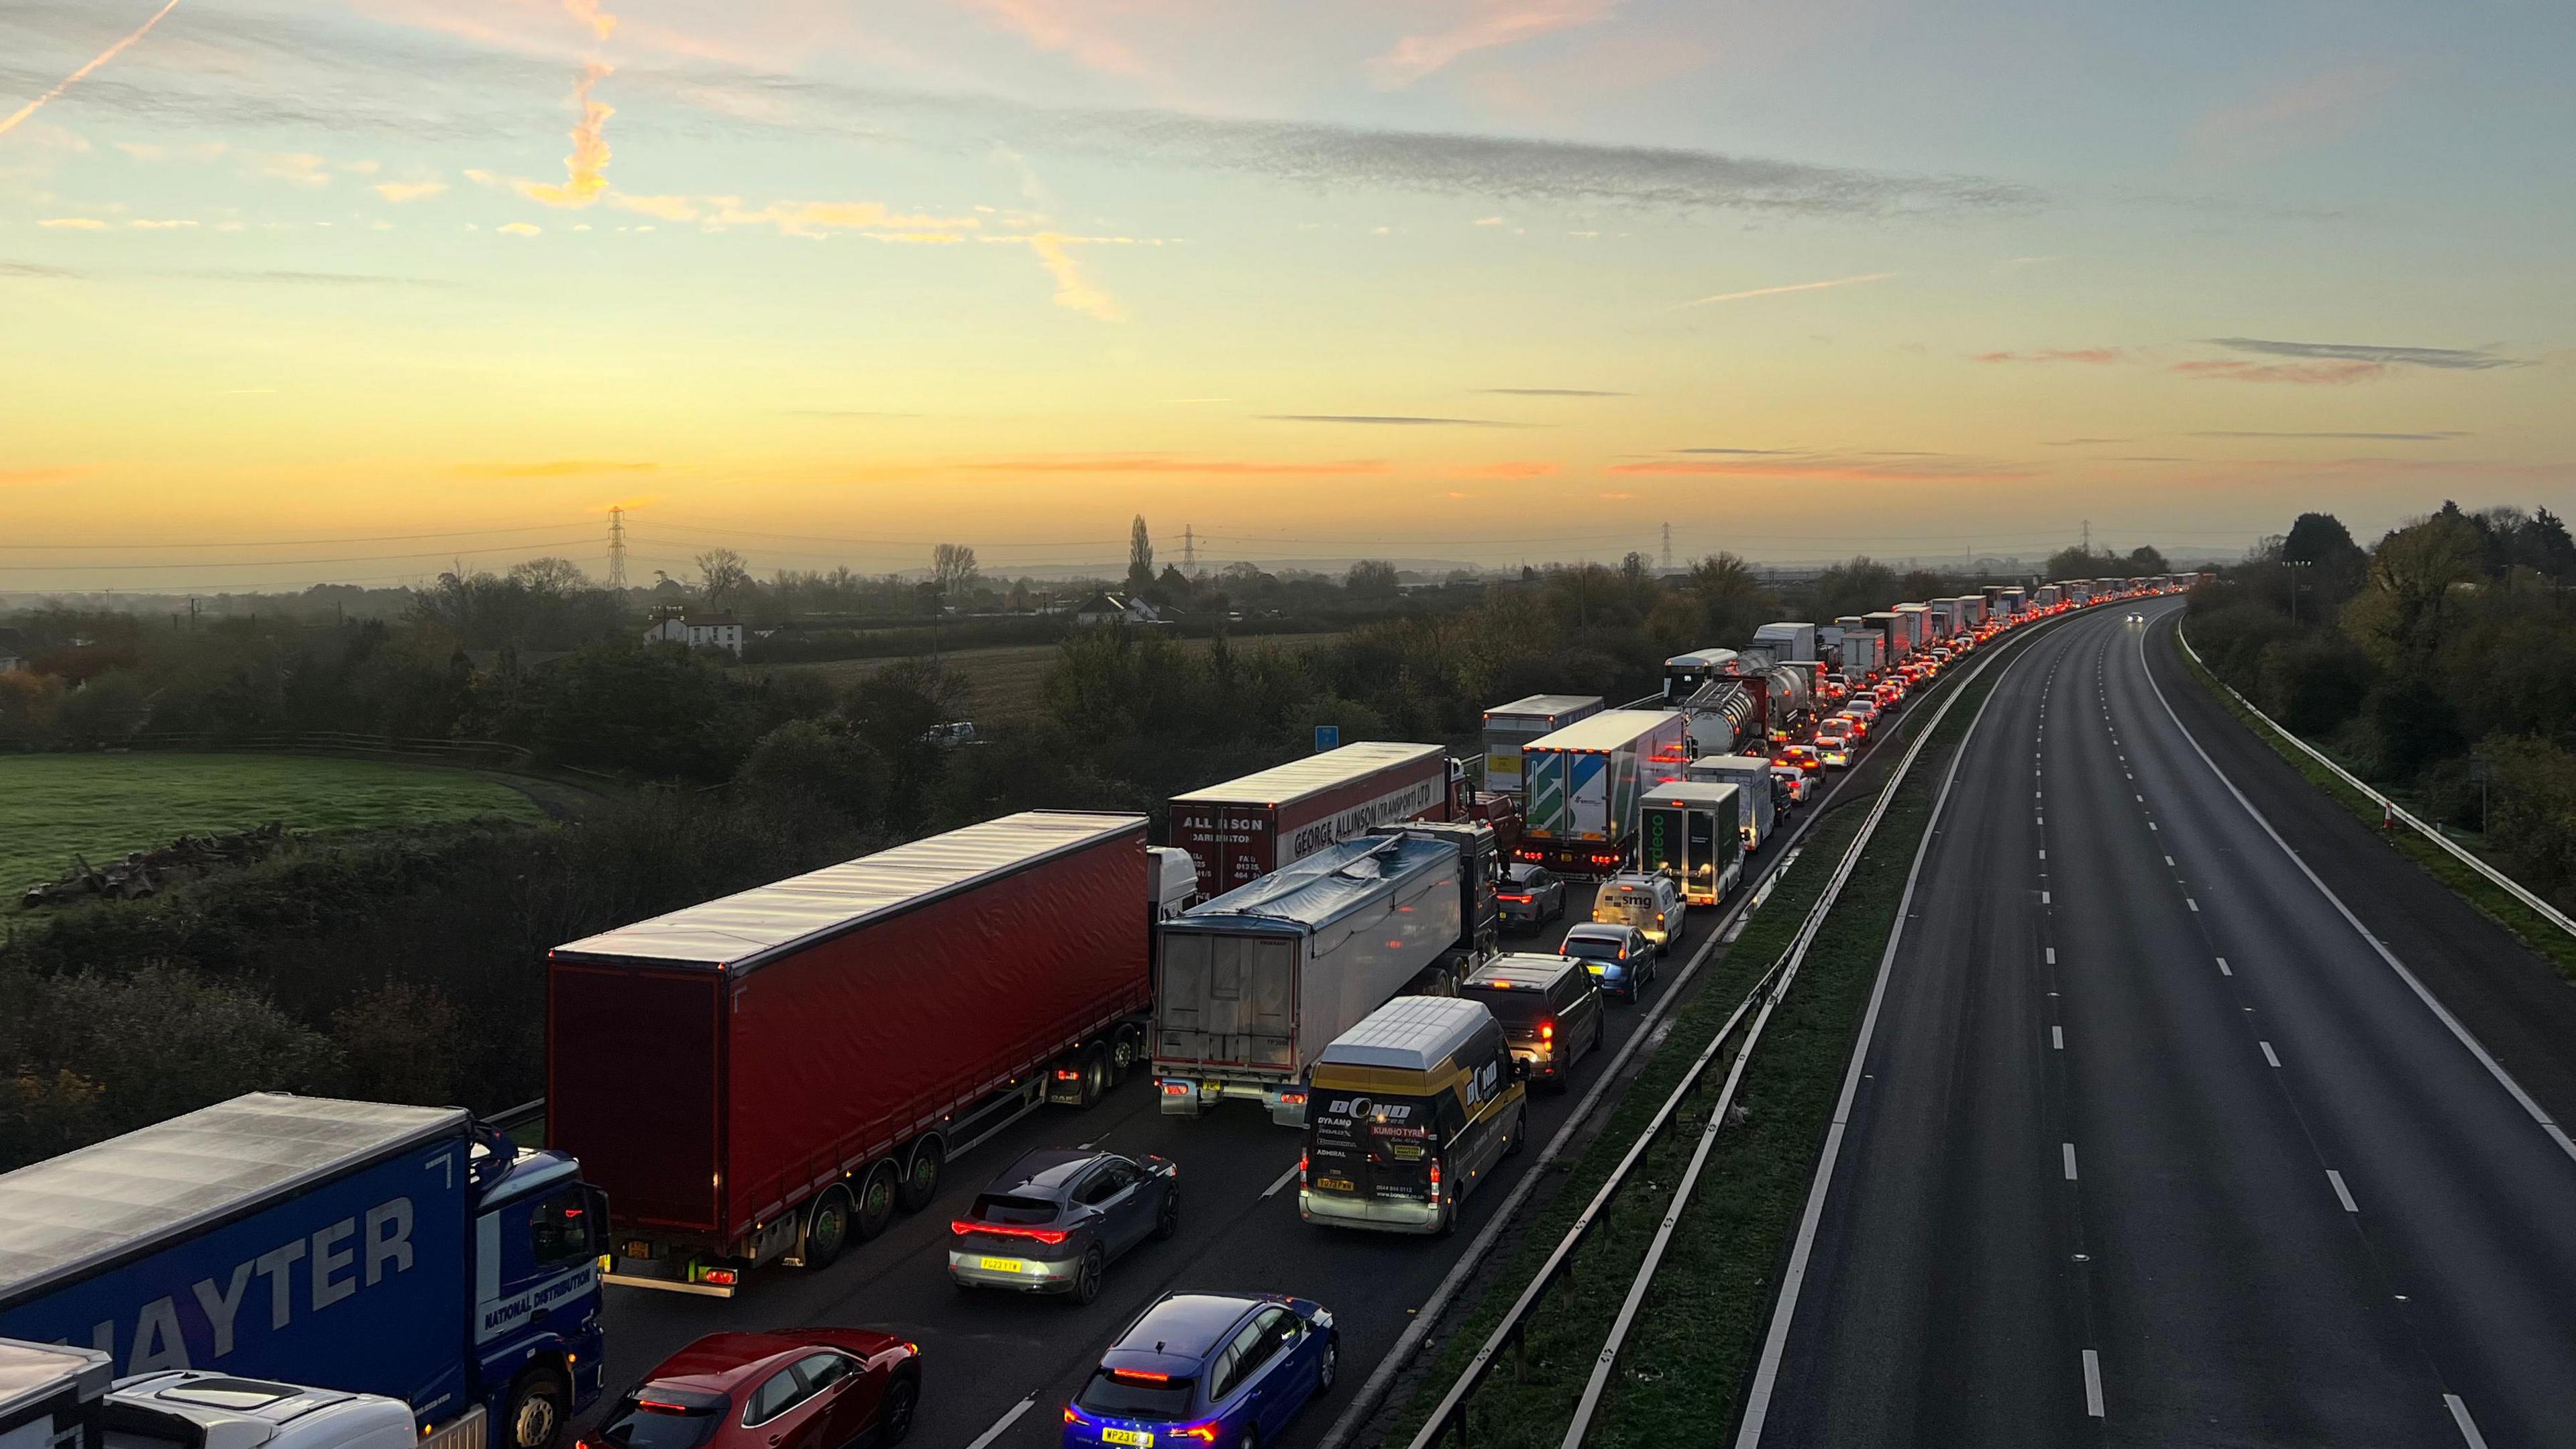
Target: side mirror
(1520, 1070)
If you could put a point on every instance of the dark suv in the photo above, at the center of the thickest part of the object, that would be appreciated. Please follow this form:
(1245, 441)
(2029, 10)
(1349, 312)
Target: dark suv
(1549, 1009)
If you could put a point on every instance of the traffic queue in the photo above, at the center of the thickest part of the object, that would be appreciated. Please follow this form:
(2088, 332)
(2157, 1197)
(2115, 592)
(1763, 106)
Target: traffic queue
(770, 1078)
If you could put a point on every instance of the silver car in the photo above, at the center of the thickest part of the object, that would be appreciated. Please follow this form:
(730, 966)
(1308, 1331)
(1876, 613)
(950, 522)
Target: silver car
(1053, 1222)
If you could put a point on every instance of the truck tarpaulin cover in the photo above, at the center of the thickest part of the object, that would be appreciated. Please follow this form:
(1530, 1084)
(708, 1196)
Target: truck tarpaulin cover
(313, 1240)
(1244, 829)
(715, 1065)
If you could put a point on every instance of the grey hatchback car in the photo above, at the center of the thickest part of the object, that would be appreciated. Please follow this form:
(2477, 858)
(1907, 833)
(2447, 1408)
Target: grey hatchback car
(1053, 1222)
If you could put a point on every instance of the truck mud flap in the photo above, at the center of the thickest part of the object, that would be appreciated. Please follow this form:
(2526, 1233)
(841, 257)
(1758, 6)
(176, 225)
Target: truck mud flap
(469, 1432)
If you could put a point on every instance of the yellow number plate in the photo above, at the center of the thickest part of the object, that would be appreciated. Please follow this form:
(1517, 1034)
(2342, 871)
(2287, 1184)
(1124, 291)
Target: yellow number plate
(1127, 1436)
(1334, 1184)
(1006, 1265)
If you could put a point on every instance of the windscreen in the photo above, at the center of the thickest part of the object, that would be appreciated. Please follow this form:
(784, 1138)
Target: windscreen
(1129, 1397)
(664, 1419)
(994, 1207)
(1593, 948)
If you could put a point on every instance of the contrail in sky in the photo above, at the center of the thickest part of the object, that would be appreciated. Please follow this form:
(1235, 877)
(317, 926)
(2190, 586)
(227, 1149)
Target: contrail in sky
(74, 78)
(1793, 287)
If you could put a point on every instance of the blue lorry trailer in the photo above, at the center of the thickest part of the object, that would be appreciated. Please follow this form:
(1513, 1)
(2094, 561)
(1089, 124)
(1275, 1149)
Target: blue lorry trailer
(405, 1251)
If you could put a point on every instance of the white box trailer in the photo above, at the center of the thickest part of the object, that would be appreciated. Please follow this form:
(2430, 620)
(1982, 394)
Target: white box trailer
(1757, 802)
(1510, 726)
(1787, 641)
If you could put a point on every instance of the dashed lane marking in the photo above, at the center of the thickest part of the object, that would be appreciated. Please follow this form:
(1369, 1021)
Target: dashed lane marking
(2057, 1037)
(1273, 1189)
(2093, 1384)
(2468, 1426)
(2222, 967)
(1006, 1421)
(2343, 1194)
(2067, 1149)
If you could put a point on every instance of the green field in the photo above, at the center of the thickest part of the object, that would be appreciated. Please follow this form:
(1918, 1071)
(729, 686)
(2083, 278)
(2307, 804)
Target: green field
(106, 805)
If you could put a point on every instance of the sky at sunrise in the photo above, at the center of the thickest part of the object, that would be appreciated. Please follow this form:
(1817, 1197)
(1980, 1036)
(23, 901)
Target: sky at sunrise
(1469, 279)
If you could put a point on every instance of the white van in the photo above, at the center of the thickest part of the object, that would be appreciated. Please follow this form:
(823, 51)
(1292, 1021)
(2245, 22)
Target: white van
(1651, 903)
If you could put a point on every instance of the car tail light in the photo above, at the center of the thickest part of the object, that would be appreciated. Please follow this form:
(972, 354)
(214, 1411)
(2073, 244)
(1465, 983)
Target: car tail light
(1140, 1376)
(1204, 1433)
(1292, 1098)
(963, 1226)
(1547, 1031)
(1435, 1179)
(1301, 1167)
(719, 1277)
(1176, 1089)
(1071, 1416)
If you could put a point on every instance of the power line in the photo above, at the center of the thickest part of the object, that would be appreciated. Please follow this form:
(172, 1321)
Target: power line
(295, 542)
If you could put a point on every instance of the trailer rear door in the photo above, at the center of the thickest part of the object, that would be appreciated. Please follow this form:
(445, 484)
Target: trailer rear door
(1228, 999)
(647, 1117)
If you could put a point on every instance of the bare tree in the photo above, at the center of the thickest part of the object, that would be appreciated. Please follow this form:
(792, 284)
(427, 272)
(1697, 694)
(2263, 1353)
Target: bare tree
(952, 568)
(723, 578)
(550, 575)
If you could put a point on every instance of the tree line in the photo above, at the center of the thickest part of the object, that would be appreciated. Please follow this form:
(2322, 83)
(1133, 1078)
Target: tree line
(406, 964)
(2439, 662)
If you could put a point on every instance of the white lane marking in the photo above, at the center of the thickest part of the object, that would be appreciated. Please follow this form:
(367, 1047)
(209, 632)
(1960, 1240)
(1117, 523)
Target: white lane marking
(2267, 1053)
(2343, 1194)
(2195, 905)
(2222, 967)
(2052, 955)
(2057, 1037)
(2043, 855)
(2093, 1383)
(2168, 860)
(1007, 1420)
(2440, 1012)
(2151, 825)
(2141, 799)
(1273, 1188)
(2468, 1426)
(2067, 1149)
(2043, 898)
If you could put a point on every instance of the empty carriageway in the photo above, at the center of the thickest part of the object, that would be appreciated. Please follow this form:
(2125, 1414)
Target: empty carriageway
(2153, 1145)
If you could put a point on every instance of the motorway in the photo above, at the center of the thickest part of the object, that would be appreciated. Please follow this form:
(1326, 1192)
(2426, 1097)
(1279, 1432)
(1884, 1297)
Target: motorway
(1004, 1365)
(2152, 1145)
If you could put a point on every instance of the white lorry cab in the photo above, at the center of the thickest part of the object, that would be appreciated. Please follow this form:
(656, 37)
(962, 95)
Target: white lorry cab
(210, 1409)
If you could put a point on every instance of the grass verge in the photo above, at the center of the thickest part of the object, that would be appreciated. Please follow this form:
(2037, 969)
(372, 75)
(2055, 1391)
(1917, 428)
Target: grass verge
(104, 805)
(2553, 944)
(1690, 1353)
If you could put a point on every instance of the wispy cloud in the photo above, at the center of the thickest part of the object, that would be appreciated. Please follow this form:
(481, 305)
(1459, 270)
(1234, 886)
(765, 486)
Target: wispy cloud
(402, 191)
(1487, 24)
(1507, 469)
(2440, 437)
(1744, 452)
(1878, 467)
(520, 228)
(1072, 289)
(317, 279)
(73, 223)
(1168, 463)
(2311, 374)
(1791, 287)
(668, 208)
(2065, 354)
(2471, 359)
(585, 168)
(1551, 392)
(2306, 113)
(1380, 420)
(2080, 442)
(1052, 25)
(35, 269)
(841, 413)
(76, 77)
(295, 168)
(552, 468)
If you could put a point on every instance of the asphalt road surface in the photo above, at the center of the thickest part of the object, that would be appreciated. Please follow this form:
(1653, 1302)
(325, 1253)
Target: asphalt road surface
(2154, 1145)
(1005, 1365)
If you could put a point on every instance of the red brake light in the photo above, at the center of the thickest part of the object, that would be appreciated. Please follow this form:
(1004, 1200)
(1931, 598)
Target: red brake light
(1547, 1031)
(1068, 1074)
(720, 1277)
(1146, 1376)
(1070, 1416)
(1176, 1089)
(1204, 1433)
(1010, 1230)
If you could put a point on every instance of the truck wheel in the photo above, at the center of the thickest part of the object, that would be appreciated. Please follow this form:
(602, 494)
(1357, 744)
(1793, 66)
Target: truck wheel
(876, 1201)
(534, 1418)
(827, 1227)
(1094, 1067)
(921, 1177)
(1126, 1049)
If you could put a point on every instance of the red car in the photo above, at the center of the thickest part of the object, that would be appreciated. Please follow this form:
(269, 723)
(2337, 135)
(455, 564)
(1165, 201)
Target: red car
(791, 1388)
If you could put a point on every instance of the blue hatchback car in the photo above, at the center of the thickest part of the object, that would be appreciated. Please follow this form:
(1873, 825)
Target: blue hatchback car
(1207, 1371)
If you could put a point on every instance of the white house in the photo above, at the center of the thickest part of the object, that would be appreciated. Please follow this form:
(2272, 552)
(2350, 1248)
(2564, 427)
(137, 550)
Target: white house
(1116, 608)
(710, 631)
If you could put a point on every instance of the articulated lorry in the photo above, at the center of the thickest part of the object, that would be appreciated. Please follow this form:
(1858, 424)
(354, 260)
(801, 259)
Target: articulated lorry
(1257, 982)
(1892, 631)
(1510, 726)
(772, 1075)
(1244, 829)
(1584, 780)
(1686, 674)
(1692, 831)
(1787, 641)
(409, 1252)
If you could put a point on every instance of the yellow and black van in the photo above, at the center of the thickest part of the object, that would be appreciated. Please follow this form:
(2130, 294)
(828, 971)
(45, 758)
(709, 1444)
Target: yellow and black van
(1407, 1113)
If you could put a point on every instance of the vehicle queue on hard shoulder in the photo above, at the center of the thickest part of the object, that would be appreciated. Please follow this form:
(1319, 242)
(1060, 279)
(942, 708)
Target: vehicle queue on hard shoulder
(1406, 1109)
